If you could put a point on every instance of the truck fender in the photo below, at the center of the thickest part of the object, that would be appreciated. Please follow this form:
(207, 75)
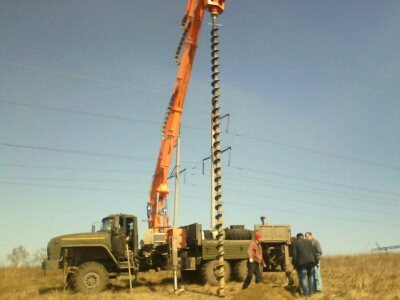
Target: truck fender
(84, 253)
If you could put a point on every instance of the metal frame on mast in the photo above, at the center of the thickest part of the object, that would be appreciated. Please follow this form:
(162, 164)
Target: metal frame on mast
(158, 219)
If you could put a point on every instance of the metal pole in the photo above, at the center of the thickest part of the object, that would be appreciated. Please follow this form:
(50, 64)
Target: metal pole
(158, 198)
(174, 252)
(129, 270)
(173, 238)
(178, 153)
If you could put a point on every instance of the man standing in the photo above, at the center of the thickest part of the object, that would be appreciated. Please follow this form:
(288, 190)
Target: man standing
(304, 259)
(317, 247)
(255, 259)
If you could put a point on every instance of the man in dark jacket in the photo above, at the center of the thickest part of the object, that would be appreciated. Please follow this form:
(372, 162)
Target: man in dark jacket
(304, 260)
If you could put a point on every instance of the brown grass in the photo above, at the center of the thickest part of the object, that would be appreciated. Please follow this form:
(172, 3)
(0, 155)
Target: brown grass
(369, 277)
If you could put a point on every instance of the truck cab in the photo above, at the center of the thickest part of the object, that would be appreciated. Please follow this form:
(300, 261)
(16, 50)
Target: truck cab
(123, 231)
(107, 253)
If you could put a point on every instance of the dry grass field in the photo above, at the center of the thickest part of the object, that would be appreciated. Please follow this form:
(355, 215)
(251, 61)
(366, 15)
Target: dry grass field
(369, 276)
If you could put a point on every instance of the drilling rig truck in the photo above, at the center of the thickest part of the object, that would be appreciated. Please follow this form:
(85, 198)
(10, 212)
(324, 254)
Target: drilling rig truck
(90, 259)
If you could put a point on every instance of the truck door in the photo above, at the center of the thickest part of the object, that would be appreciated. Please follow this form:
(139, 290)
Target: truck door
(132, 235)
(118, 233)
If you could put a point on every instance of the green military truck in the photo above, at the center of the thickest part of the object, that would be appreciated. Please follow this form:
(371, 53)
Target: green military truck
(89, 260)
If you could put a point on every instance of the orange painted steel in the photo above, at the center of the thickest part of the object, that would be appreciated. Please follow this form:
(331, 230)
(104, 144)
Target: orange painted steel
(159, 190)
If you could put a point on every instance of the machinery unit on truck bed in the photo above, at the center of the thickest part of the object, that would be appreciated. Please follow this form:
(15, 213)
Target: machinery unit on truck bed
(198, 259)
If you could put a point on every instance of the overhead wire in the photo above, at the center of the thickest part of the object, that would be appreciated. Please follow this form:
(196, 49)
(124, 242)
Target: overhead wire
(336, 217)
(75, 151)
(66, 179)
(292, 186)
(247, 205)
(189, 127)
(235, 167)
(254, 180)
(258, 196)
(263, 182)
(316, 181)
(315, 151)
(207, 129)
(69, 168)
(80, 76)
(196, 128)
(79, 112)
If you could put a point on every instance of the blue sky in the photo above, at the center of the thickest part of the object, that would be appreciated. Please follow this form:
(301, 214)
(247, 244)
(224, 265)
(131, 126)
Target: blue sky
(311, 88)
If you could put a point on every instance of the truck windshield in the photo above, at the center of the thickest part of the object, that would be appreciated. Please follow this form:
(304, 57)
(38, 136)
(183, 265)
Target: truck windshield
(106, 225)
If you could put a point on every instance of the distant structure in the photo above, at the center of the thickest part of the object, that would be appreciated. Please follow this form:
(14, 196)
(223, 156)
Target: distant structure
(385, 248)
(263, 220)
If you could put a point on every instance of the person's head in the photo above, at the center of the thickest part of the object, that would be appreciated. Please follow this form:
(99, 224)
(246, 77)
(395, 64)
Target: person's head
(299, 236)
(309, 236)
(258, 237)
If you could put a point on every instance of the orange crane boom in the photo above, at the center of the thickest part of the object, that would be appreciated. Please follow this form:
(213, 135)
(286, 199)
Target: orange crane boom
(191, 23)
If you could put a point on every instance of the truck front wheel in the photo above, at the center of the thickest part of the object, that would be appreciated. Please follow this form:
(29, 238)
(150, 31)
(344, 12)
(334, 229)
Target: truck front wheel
(91, 278)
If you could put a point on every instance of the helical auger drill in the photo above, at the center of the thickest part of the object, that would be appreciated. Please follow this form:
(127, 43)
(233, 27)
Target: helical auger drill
(216, 147)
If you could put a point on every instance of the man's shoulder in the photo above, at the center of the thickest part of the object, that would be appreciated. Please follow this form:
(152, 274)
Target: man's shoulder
(301, 242)
(306, 244)
(253, 243)
(315, 242)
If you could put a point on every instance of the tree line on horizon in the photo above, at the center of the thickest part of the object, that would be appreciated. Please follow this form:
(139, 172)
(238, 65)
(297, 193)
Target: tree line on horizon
(20, 257)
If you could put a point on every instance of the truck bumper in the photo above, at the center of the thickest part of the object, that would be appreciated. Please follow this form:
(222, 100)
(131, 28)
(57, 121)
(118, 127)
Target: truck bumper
(52, 264)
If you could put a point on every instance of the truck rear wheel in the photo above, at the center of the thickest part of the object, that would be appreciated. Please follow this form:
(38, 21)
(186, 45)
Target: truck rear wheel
(91, 278)
(240, 270)
(190, 276)
(209, 271)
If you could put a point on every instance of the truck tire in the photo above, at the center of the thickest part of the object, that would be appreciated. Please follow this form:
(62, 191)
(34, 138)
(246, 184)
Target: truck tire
(238, 234)
(91, 278)
(190, 276)
(240, 270)
(208, 272)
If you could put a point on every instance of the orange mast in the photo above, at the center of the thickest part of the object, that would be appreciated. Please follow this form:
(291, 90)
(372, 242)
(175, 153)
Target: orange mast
(158, 219)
